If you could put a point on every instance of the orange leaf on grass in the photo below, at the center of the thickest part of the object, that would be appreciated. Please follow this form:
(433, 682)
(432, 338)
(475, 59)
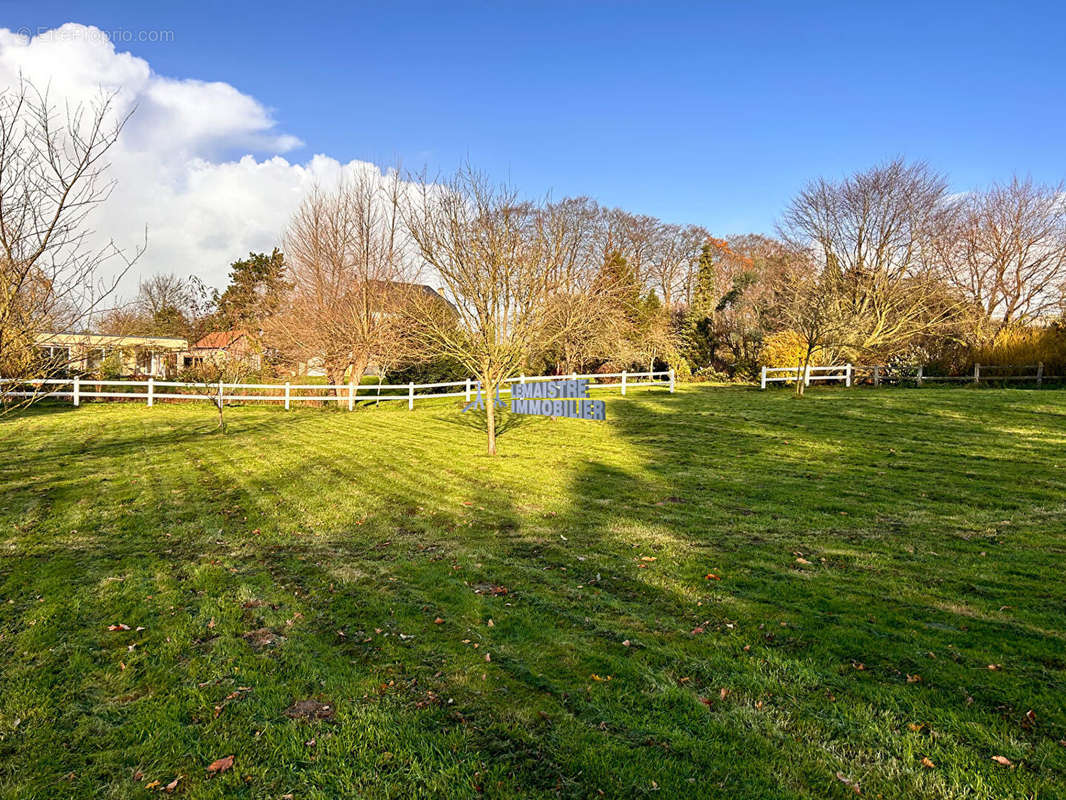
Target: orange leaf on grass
(221, 765)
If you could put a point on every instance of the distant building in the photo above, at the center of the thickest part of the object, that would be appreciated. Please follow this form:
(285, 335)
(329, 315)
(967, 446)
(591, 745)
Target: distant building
(222, 344)
(383, 296)
(130, 356)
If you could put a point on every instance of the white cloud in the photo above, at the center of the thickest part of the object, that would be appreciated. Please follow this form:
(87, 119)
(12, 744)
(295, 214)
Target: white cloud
(201, 210)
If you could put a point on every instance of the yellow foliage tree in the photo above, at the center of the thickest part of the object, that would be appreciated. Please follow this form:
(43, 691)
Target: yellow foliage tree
(786, 348)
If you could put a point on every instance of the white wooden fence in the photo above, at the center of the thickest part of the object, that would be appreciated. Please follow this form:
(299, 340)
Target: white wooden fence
(77, 389)
(850, 373)
(790, 374)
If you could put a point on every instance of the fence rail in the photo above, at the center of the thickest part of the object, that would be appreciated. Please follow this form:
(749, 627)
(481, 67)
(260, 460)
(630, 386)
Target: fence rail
(77, 389)
(791, 374)
(876, 374)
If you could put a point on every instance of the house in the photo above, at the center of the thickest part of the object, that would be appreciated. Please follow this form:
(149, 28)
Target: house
(383, 299)
(218, 345)
(124, 356)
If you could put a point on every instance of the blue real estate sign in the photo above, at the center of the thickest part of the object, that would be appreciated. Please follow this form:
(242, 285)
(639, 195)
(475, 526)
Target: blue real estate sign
(563, 398)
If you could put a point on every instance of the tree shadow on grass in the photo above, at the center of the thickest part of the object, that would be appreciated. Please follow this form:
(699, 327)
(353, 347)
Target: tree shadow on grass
(476, 419)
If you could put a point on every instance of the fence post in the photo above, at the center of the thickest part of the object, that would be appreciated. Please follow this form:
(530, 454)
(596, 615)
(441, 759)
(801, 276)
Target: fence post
(351, 394)
(877, 377)
(77, 390)
(286, 395)
(1039, 372)
(623, 383)
(671, 380)
(920, 368)
(762, 379)
(976, 373)
(847, 375)
(410, 396)
(468, 390)
(521, 379)
(151, 390)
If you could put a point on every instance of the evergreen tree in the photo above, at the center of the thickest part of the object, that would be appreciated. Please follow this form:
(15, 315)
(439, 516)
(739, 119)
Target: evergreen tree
(621, 281)
(705, 291)
(255, 291)
(699, 319)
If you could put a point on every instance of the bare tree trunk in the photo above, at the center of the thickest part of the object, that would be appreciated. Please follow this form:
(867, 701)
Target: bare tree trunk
(490, 416)
(801, 373)
(358, 369)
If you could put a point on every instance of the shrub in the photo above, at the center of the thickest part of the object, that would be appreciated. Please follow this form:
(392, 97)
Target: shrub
(1018, 346)
(786, 349)
(439, 370)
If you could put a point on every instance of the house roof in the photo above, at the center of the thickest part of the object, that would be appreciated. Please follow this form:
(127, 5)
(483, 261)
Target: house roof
(218, 340)
(400, 288)
(70, 339)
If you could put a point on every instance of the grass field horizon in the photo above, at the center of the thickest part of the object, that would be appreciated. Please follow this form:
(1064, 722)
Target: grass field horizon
(718, 592)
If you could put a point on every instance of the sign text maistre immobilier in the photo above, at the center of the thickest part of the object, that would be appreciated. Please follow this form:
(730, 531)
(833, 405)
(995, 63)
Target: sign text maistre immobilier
(565, 398)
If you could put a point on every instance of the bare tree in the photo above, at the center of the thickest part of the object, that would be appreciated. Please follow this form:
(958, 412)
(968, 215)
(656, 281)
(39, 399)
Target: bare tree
(215, 371)
(872, 238)
(499, 260)
(672, 261)
(52, 177)
(881, 220)
(347, 268)
(812, 306)
(583, 319)
(1005, 251)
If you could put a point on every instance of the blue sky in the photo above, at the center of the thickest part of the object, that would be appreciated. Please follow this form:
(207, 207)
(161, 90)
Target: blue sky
(711, 113)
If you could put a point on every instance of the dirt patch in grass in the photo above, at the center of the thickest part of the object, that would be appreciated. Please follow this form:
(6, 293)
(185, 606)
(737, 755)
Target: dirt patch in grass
(262, 638)
(310, 710)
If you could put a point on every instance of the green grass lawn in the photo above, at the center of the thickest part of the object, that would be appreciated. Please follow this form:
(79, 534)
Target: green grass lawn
(363, 605)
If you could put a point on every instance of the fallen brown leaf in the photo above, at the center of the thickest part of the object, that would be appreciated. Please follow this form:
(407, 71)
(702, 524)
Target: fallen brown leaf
(220, 765)
(927, 763)
(170, 787)
(1003, 761)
